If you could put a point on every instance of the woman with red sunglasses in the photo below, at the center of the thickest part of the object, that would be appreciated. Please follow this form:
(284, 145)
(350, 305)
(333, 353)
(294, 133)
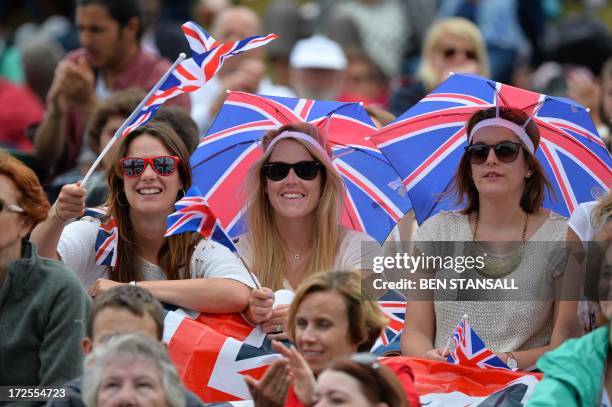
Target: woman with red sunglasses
(151, 173)
(510, 235)
(294, 219)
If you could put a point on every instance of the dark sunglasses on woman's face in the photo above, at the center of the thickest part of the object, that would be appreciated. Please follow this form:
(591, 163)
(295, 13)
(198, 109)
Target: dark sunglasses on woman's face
(164, 165)
(306, 170)
(505, 151)
(451, 52)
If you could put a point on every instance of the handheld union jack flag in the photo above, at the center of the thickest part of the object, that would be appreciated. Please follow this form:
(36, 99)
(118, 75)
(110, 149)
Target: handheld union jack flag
(221, 162)
(106, 239)
(185, 75)
(470, 350)
(189, 75)
(426, 143)
(193, 214)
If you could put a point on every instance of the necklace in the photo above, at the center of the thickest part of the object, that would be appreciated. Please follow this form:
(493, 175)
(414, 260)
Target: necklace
(498, 266)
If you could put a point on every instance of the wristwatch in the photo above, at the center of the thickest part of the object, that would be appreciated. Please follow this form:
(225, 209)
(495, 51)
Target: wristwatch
(511, 362)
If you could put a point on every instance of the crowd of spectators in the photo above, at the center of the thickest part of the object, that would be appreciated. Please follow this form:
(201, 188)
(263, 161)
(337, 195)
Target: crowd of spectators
(71, 73)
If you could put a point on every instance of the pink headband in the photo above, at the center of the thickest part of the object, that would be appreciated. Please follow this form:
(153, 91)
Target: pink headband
(299, 136)
(513, 127)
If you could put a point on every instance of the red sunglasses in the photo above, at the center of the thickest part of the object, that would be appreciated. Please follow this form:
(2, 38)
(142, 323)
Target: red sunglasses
(163, 165)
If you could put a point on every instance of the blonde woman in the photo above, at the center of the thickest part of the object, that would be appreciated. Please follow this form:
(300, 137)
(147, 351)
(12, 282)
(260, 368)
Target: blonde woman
(294, 219)
(452, 44)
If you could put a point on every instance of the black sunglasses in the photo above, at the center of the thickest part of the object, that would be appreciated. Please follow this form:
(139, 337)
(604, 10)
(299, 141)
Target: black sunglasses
(505, 151)
(164, 165)
(306, 170)
(450, 53)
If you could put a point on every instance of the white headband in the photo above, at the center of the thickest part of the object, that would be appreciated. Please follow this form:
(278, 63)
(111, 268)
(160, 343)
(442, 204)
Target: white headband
(513, 127)
(299, 136)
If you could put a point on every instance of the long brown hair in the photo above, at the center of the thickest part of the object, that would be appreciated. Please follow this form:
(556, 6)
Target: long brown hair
(535, 185)
(177, 249)
(268, 256)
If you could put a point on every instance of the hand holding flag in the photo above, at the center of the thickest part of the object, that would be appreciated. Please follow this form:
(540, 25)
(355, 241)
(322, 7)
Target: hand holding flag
(470, 350)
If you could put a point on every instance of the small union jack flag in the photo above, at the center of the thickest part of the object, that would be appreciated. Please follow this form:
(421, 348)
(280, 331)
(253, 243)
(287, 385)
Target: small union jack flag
(207, 58)
(193, 214)
(106, 239)
(470, 350)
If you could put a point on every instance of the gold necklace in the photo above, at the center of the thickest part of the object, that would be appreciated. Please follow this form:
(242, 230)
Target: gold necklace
(499, 266)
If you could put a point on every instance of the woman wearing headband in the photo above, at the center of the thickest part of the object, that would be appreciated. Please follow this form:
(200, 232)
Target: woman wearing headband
(294, 219)
(150, 173)
(502, 185)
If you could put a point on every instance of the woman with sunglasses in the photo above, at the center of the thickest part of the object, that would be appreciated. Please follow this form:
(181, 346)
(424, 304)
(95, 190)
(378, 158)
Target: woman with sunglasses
(43, 307)
(329, 319)
(294, 219)
(150, 174)
(452, 44)
(502, 185)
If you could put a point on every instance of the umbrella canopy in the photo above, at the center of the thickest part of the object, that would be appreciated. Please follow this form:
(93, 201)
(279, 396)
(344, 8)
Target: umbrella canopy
(372, 203)
(426, 143)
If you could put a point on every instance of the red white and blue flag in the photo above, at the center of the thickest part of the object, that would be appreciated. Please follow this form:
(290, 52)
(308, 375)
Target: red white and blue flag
(207, 58)
(221, 162)
(107, 237)
(193, 214)
(426, 143)
(393, 304)
(470, 350)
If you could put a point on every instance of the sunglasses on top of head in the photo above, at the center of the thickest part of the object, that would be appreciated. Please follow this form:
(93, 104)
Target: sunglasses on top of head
(506, 151)
(277, 171)
(164, 165)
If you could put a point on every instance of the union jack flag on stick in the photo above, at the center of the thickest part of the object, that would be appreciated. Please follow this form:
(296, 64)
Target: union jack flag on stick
(470, 350)
(184, 76)
(193, 214)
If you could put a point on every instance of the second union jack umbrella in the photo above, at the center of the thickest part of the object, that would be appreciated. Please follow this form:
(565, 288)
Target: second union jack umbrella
(221, 162)
(426, 143)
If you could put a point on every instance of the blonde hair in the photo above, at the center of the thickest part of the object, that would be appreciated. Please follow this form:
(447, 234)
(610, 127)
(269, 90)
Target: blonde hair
(603, 210)
(267, 248)
(365, 318)
(459, 27)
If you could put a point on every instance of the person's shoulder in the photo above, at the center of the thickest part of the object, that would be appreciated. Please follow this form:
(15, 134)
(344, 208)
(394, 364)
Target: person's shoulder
(590, 349)
(443, 218)
(351, 236)
(153, 61)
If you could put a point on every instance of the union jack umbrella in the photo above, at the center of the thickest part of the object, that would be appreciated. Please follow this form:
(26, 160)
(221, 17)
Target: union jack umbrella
(470, 350)
(193, 214)
(426, 143)
(221, 162)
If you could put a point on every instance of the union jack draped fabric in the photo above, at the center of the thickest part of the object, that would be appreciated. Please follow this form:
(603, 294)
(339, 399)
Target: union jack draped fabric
(470, 350)
(207, 57)
(193, 214)
(221, 163)
(106, 239)
(426, 143)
